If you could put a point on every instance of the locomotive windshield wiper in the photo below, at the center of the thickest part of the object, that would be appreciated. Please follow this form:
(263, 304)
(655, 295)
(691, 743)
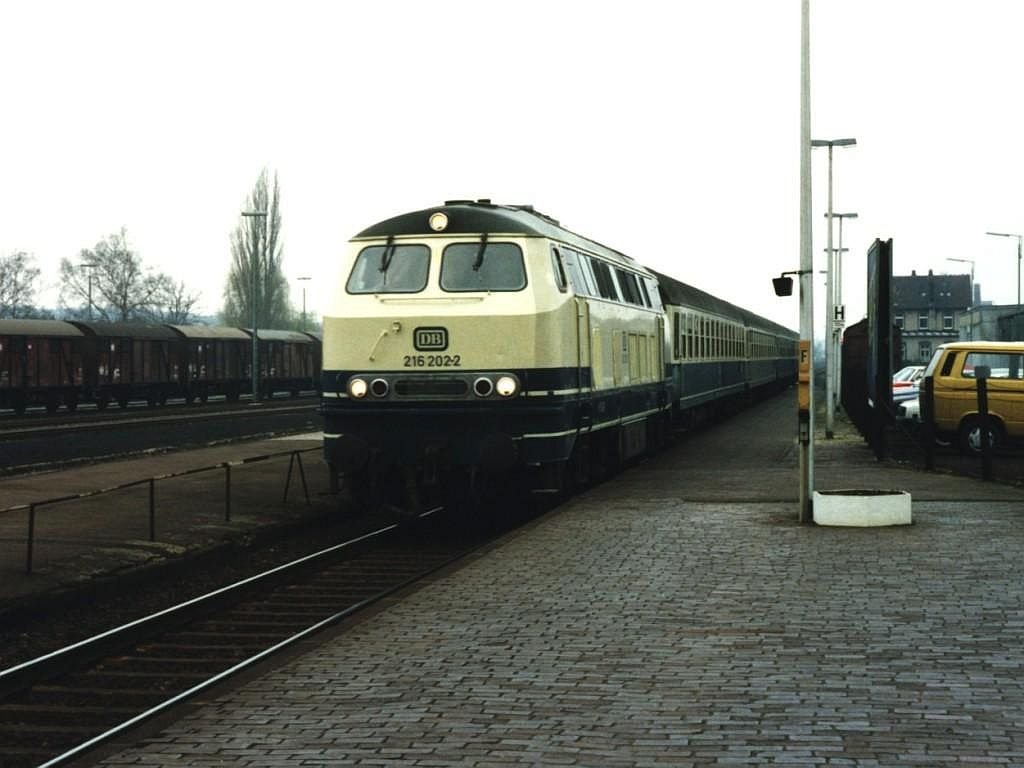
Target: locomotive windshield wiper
(385, 258)
(480, 253)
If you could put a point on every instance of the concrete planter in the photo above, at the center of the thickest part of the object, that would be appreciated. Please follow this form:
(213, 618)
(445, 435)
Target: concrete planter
(862, 507)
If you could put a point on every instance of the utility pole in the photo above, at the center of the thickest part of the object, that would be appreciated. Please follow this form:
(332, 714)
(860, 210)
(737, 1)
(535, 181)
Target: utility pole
(830, 405)
(839, 314)
(303, 280)
(89, 265)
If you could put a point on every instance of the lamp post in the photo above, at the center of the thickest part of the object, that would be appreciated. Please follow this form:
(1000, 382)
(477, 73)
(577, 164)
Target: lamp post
(1019, 239)
(252, 301)
(970, 327)
(839, 315)
(89, 265)
(971, 262)
(830, 406)
(303, 280)
(805, 371)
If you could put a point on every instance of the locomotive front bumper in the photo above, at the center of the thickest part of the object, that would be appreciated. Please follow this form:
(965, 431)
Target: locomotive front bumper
(447, 437)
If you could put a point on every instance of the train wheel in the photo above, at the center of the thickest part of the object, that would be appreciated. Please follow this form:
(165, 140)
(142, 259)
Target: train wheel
(52, 406)
(19, 407)
(71, 403)
(102, 402)
(122, 402)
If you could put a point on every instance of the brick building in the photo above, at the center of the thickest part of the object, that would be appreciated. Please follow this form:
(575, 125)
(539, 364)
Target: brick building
(928, 309)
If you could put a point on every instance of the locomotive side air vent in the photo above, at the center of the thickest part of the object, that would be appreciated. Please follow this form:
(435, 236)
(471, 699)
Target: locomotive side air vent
(458, 202)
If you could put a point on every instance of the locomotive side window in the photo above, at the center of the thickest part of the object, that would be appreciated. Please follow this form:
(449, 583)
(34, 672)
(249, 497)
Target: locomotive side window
(577, 276)
(605, 283)
(482, 267)
(559, 269)
(628, 287)
(390, 269)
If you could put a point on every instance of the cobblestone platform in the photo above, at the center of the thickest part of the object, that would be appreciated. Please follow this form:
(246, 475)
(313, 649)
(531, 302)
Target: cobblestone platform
(676, 616)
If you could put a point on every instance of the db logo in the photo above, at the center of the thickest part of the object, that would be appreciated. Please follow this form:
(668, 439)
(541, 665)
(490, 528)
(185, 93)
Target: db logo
(430, 339)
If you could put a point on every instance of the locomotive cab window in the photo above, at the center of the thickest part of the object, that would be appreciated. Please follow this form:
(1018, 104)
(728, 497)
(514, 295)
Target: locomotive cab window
(482, 267)
(390, 269)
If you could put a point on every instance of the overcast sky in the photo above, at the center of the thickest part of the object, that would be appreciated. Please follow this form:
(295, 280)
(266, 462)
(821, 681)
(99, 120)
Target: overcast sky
(669, 131)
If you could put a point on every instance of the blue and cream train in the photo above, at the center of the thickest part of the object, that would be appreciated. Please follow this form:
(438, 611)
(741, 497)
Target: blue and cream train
(472, 339)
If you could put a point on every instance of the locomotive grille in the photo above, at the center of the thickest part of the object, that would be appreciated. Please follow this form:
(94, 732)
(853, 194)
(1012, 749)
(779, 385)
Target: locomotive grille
(431, 387)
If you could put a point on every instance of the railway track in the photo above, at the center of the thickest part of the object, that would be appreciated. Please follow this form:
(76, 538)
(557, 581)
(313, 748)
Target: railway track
(91, 417)
(59, 706)
(42, 444)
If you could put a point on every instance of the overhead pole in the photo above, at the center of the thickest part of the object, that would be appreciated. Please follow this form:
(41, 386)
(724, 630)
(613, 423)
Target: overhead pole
(840, 311)
(830, 293)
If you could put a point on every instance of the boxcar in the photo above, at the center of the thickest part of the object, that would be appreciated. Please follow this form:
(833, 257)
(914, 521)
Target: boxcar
(41, 363)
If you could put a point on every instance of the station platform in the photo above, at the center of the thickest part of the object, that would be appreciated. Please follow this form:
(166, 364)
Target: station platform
(88, 527)
(678, 615)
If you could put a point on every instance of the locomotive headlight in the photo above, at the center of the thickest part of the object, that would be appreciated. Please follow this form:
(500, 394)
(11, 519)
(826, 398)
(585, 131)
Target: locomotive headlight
(357, 388)
(506, 386)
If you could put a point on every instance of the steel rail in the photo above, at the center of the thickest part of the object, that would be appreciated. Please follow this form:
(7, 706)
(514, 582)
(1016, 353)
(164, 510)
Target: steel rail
(144, 417)
(41, 667)
(127, 725)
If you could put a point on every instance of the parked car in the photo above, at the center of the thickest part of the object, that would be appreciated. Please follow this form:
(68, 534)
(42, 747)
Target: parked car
(905, 383)
(955, 368)
(909, 410)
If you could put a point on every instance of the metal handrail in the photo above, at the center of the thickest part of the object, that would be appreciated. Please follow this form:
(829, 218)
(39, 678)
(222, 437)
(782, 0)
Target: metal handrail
(295, 455)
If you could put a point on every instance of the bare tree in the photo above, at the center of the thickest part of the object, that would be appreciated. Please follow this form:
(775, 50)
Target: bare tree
(174, 302)
(110, 283)
(256, 263)
(18, 275)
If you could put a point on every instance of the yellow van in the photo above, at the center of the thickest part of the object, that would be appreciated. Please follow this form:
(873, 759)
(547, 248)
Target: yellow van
(955, 368)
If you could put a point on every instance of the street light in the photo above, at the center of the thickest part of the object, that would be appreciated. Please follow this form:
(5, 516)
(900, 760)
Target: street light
(830, 406)
(252, 302)
(303, 280)
(838, 296)
(90, 265)
(971, 262)
(805, 371)
(1019, 238)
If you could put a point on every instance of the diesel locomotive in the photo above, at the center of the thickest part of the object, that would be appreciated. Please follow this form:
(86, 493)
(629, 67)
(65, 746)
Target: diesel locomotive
(473, 341)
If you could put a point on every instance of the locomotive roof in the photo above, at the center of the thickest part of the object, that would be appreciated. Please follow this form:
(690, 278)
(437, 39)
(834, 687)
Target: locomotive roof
(210, 332)
(469, 217)
(54, 328)
(137, 331)
(680, 294)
